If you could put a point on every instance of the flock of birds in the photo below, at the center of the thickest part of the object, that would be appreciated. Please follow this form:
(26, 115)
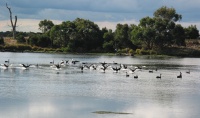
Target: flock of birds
(116, 67)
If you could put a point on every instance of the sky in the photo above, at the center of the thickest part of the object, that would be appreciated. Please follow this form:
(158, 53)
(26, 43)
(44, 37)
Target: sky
(105, 13)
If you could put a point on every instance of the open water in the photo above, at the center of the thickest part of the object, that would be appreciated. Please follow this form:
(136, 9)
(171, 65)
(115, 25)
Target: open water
(43, 91)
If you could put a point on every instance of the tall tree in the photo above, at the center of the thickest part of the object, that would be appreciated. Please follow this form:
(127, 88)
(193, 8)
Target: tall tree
(192, 32)
(11, 20)
(45, 25)
(165, 19)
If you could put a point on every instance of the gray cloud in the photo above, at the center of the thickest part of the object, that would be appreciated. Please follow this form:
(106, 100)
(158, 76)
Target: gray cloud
(97, 10)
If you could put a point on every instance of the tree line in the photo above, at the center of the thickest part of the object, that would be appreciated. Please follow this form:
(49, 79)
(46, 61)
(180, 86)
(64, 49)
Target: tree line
(81, 35)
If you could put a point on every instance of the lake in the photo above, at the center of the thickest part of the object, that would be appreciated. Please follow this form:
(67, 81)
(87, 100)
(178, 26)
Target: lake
(43, 91)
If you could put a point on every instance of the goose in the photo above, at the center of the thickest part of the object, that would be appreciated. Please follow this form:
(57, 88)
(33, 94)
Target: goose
(159, 77)
(7, 61)
(150, 71)
(104, 67)
(62, 62)
(116, 69)
(88, 66)
(94, 67)
(133, 70)
(6, 65)
(103, 64)
(179, 76)
(127, 75)
(74, 61)
(188, 72)
(52, 62)
(67, 61)
(26, 66)
(81, 67)
(136, 76)
(124, 66)
(58, 66)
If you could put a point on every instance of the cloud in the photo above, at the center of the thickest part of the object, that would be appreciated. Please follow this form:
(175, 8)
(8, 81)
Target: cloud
(101, 11)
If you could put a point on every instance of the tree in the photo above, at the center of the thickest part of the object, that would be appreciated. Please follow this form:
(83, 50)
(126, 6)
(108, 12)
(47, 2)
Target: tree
(147, 31)
(121, 37)
(165, 19)
(21, 39)
(45, 25)
(191, 32)
(1, 41)
(108, 37)
(11, 20)
(179, 35)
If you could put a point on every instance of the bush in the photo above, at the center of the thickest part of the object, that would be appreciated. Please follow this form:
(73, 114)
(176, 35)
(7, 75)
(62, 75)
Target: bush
(138, 51)
(1, 41)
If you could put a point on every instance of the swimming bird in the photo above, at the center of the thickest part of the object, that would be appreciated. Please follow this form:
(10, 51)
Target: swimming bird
(127, 75)
(52, 62)
(74, 61)
(7, 61)
(188, 72)
(136, 76)
(150, 71)
(159, 77)
(179, 76)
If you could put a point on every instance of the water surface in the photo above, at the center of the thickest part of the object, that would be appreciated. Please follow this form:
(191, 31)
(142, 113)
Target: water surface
(45, 92)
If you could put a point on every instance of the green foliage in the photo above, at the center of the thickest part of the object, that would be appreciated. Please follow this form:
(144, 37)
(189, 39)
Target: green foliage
(20, 39)
(1, 41)
(45, 25)
(192, 32)
(108, 46)
(40, 40)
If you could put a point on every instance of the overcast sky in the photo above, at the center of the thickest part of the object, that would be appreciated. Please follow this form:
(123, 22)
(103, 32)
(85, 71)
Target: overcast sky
(105, 13)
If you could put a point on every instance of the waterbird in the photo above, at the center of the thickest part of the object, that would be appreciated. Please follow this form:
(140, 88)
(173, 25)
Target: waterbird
(104, 67)
(103, 64)
(116, 69)
(58, 66)
(150, 71)
(6, 65)
(94, 67)
(159, 77)
(179, 76)
(133, 70)
(188, 72)
(26, 66)
(62, 62)
(136, 76)
(52, 62)
(127, 75)
(7, 61)
(74, 61)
